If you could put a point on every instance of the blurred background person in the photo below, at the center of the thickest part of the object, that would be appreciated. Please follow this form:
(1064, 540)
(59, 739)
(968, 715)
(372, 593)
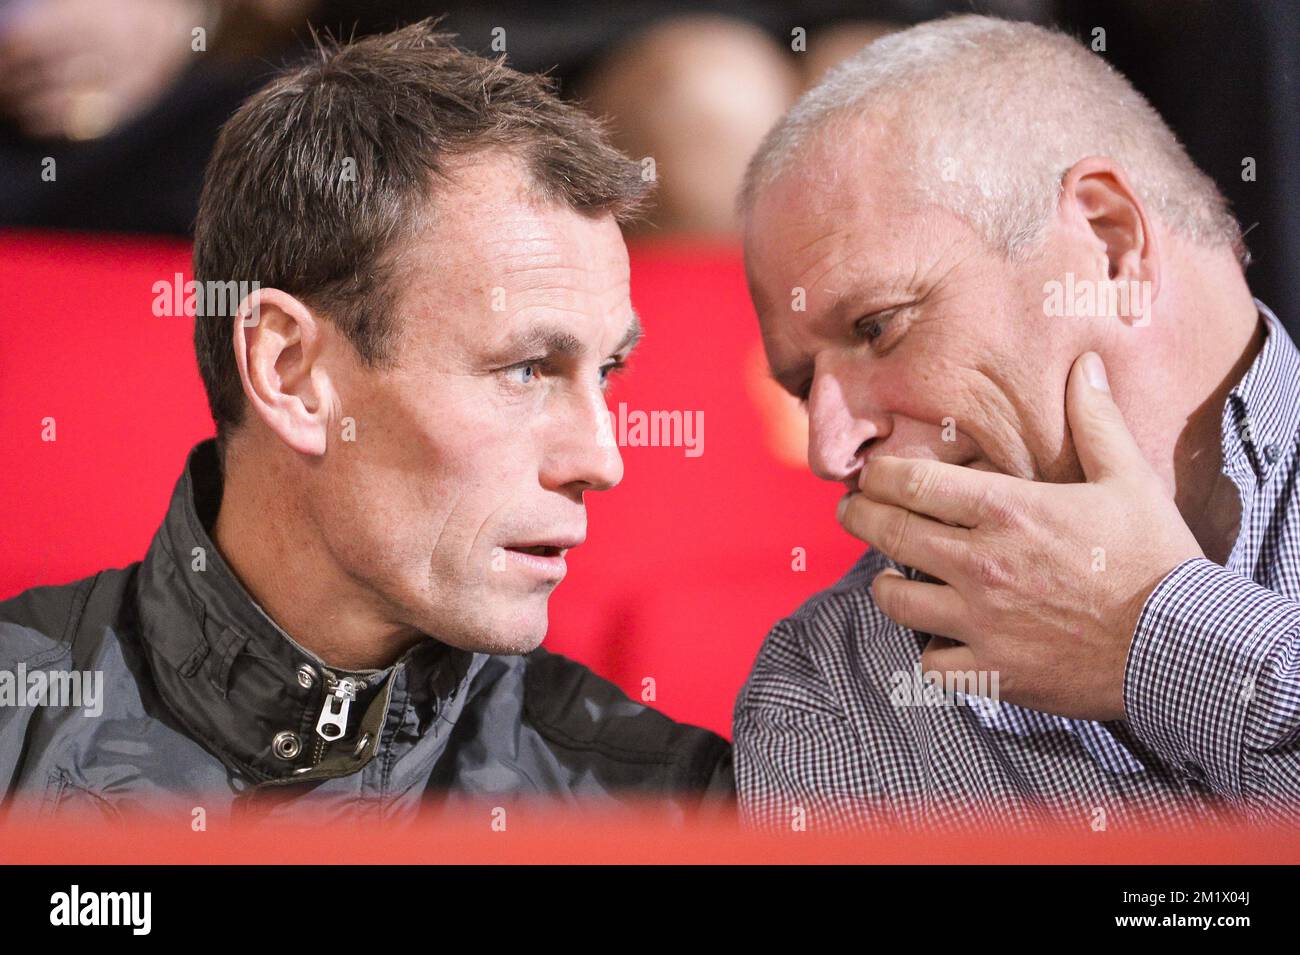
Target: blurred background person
(109, 108)
(125, 96)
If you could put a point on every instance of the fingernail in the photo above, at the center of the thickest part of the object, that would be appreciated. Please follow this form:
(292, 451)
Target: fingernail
(1095, 371)
(841, 507)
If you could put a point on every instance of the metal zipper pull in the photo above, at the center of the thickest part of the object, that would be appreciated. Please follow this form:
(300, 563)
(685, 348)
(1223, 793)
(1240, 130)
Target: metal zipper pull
(333, 722)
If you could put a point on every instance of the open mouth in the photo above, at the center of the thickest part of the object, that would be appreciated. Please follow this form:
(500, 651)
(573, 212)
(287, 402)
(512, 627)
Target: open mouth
(543, 560)
(539, 550)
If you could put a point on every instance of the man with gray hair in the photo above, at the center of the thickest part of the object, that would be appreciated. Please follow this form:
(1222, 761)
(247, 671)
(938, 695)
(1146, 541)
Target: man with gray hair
(1017, 316)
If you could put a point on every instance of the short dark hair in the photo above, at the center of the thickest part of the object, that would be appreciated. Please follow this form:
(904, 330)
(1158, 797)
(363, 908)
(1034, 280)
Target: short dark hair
(277, 208)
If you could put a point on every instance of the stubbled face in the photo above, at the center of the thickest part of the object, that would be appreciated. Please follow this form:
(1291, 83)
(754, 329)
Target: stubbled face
(917, 338)
(464, 487)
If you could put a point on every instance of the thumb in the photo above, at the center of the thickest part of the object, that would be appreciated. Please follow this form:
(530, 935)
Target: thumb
(1101, 438)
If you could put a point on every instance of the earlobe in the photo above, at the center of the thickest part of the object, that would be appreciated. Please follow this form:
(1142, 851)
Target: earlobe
(277, 342)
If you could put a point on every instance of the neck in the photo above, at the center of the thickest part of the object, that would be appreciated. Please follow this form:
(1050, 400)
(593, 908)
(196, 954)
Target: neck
(267, 541)
(1203, 341)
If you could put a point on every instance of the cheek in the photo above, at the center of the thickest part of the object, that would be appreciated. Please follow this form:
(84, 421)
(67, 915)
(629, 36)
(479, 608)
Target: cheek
(412, 485)
(934, 383)
(472, 482)
(957, 411)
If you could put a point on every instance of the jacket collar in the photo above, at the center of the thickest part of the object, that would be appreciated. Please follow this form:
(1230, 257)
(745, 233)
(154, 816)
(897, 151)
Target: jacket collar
(238, 682)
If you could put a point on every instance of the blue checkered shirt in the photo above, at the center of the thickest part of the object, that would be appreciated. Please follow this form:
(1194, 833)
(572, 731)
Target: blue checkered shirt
(830, 731)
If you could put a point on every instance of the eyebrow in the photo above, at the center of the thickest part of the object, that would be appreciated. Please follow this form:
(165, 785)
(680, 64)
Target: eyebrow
(632, 337)
(554, 340)
(786, 373)
(840, 302)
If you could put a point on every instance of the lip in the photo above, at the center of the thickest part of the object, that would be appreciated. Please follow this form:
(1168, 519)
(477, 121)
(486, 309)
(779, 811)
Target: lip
(557, 541)
(549, 565)
(551, 568)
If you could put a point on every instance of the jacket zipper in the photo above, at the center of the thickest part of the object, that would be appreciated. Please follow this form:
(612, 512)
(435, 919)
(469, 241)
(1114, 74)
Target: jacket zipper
(332, 724)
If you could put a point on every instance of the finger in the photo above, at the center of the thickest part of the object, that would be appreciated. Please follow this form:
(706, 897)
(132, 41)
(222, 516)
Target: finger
(1101, 437)
(958, 673)
(905, 537)
(948, 492)
(944, 656)
(928, 608)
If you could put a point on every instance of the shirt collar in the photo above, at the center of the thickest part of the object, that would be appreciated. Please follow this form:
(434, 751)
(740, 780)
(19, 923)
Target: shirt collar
(237, 681)
(1262, 415)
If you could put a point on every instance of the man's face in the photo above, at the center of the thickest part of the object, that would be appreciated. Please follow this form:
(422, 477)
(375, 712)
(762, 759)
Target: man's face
(917, 339)
(464, 486)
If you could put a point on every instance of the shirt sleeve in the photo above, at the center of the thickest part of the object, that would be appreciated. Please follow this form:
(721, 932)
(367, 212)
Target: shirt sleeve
(1212, 684)
(798, 766)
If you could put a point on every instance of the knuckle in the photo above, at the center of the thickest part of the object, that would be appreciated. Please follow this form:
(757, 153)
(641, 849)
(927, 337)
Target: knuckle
(918, 483)
(897, 532)
(990, 571)
(1002, 508)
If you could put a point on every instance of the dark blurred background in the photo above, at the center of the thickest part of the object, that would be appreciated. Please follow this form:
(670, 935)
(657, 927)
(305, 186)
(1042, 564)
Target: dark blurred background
(126, 97)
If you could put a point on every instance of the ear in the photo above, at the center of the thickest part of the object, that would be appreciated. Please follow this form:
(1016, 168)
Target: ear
(278, 344)
(1098, 200)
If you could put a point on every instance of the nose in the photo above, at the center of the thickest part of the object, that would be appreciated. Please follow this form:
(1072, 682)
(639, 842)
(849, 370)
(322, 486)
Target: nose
(583, 453)
(843, 424)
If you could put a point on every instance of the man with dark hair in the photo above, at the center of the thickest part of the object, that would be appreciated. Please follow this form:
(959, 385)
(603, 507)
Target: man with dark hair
(347, 596)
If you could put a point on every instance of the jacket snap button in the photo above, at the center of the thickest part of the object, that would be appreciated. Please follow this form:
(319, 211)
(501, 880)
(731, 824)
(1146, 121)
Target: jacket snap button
(286, 745)
(361, 746)
(306, 677)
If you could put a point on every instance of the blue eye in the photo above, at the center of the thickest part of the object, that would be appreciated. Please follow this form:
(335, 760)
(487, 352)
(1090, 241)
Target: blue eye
(612, 368)
(522, 374)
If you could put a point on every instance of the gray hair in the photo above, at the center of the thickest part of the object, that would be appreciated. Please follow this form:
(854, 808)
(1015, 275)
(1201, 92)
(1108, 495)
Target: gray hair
(994, 113)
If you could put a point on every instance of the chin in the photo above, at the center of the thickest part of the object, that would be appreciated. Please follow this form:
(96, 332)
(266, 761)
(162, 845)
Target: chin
(500, 630)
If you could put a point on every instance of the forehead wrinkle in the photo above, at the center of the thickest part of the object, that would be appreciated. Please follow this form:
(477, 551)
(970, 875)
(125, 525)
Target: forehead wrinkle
(828, 268)
(537, 250)
(822, 237)
(535, 269)
(562, 297)
(817, 259)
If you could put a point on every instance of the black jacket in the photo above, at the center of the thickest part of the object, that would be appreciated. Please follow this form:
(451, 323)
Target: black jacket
(207, 702)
